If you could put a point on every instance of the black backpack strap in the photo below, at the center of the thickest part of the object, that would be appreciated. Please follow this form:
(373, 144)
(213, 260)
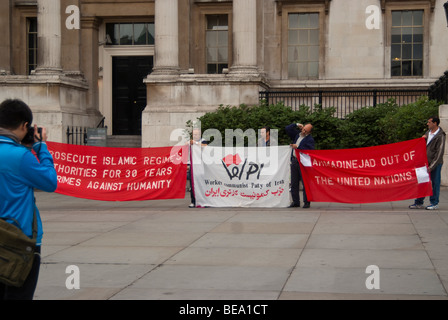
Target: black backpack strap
(14, 221)
(34, 221)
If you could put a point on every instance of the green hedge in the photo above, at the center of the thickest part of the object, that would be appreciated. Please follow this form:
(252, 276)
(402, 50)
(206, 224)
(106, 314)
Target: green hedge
(367, 126)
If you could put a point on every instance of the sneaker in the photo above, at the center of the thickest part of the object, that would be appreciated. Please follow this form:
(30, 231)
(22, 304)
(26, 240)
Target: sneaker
(416, 206)
(191, 205)
(432, 207)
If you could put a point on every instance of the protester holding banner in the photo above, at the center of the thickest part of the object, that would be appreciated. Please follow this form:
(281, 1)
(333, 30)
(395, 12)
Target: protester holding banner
(265, 134)
(302, 139)
(20, 173)
(196, 140)
(435, 147)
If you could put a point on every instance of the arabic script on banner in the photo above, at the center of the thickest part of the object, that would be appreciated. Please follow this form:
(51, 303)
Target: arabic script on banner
(241, 177)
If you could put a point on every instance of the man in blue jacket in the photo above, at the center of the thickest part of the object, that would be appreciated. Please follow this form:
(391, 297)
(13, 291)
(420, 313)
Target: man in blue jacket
(20, 173)
(302, 139)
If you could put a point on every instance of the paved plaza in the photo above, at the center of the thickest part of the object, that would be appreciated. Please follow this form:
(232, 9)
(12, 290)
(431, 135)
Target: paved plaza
(162, 250)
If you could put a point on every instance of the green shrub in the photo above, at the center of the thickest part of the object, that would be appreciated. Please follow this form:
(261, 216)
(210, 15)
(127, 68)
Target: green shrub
(326, 127)
(244, 117)
(408, 121)
(365, 127)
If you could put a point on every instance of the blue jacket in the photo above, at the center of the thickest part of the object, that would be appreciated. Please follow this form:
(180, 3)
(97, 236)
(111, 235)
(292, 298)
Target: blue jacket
(20, 173)
(293, 132)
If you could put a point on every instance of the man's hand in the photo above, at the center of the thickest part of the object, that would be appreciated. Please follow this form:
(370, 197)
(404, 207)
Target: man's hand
(40, 136)
(193, 142)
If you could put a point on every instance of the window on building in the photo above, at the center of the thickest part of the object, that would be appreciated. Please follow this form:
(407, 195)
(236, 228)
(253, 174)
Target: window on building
(303, 45)
(31, 30)
(130, 34)
(217, 43)
(407, 43)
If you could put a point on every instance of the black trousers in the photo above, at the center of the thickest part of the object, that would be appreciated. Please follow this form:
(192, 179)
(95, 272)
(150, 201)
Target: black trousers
(193, 198)
(26, 292)
(296, 177)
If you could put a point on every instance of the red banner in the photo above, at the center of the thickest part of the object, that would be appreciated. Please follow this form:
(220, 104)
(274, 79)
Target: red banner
(384, 173)
(120, 174)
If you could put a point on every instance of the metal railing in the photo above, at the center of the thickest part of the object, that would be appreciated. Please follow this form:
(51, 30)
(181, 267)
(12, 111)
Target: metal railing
(345, 101)
(439, 90)
(101, 123)
(76, 135)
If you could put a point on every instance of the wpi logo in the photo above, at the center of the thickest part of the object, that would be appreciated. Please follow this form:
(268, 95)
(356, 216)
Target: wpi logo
(232, 166)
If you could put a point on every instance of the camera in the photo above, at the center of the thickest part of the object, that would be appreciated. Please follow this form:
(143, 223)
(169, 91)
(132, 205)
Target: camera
(29, 138)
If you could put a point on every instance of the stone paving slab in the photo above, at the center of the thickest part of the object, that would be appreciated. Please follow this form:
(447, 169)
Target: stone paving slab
(162, 250)
(256, 257)
(352, 280)
(197, 277)
(361, 258)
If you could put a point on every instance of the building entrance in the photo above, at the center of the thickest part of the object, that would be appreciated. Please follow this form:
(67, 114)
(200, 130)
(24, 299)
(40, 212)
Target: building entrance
(129, 93)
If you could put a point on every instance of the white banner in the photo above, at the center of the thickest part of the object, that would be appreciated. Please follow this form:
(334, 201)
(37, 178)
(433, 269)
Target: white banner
(241, 177)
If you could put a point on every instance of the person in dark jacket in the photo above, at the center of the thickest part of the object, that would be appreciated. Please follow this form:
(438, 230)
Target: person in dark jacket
(20, 172)
(435, 147)
(264, 141)
(302, 139)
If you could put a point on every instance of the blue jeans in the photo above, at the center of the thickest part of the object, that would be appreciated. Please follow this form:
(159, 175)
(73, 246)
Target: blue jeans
(436, 176)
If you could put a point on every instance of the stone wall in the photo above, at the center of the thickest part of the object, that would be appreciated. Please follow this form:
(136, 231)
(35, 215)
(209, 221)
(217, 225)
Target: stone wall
(173, 100)
(56, 102)
(443, 115)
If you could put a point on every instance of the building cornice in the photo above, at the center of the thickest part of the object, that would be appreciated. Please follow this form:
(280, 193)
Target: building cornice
(353, 84)
(385, 2)
(281, 3)
(61, 80)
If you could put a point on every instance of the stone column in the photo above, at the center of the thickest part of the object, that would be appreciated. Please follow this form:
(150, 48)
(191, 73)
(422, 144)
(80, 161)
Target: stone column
(166, 38)
(70, 43)
(5, 44)
(49, 37)
(443, 115)
(90, 63)
(244, 37)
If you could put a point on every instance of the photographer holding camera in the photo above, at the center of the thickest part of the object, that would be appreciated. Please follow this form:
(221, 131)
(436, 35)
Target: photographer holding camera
(20, 172)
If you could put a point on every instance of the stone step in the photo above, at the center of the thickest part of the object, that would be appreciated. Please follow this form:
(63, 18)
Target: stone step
(124, 141)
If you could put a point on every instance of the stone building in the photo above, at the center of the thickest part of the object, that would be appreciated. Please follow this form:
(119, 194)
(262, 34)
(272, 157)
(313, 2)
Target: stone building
(145, 67)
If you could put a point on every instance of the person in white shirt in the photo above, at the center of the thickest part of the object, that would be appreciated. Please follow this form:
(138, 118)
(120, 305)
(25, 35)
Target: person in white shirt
(435, 147)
